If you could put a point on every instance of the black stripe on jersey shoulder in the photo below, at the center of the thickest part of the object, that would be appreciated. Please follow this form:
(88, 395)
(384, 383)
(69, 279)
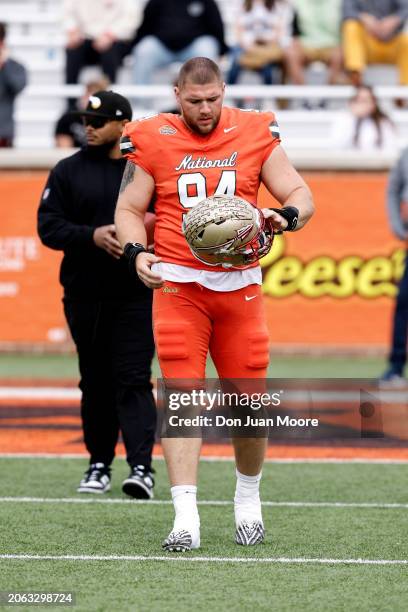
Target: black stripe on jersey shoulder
(274, 129)
(126, 145)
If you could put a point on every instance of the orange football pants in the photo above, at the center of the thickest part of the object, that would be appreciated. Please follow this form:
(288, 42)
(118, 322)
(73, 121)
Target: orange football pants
(189, 320)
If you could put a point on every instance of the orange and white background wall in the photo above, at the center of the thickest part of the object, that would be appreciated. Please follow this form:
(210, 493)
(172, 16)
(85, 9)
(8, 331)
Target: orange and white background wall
(329, 286)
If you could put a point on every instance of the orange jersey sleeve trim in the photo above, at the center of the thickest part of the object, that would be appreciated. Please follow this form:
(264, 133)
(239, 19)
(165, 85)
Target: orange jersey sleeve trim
(133, 144)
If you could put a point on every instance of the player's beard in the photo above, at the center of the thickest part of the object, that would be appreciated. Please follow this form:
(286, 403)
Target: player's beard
(195, 127)
(102, 150)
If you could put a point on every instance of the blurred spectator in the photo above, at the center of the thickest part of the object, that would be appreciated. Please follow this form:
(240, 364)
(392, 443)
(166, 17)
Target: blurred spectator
(13, 79)
(175, 31)
(365, 126)
(98, 32)
(264, 36)
(373, 32)
(70, 129)
(397, 200)
(319, 23)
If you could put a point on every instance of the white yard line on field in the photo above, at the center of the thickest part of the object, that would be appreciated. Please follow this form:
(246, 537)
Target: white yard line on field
(187, 558)
(206, 502)
(40, 393)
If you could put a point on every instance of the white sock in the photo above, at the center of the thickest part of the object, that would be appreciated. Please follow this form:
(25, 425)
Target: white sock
(247, 503)
(185, 507)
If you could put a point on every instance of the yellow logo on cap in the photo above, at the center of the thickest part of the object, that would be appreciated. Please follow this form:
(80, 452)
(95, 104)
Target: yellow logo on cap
(95, 102)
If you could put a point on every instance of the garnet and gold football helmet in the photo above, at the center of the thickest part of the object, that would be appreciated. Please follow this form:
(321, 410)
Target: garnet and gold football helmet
(228, 231)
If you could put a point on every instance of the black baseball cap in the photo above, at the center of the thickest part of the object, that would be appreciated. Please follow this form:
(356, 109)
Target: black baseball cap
(107, 104)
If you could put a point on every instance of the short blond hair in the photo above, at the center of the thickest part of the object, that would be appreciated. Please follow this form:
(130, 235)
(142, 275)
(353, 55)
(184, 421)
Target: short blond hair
(200, 71)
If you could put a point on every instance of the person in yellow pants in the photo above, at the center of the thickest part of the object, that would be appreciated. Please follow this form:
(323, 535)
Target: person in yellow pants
(373, 33)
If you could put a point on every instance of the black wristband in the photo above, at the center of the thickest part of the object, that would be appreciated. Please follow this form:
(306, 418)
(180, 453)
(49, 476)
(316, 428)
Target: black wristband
(291, 214)
(131, 251)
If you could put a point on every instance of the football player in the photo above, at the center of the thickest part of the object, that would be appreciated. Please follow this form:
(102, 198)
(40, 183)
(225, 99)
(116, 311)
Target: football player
(208, 149)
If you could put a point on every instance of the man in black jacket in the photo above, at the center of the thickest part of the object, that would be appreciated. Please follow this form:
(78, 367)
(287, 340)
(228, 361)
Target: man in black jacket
(107, 308)
(175, 31)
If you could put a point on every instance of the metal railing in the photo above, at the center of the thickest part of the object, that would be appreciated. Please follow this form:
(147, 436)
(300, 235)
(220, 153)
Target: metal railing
(302, 158)
(326, 92)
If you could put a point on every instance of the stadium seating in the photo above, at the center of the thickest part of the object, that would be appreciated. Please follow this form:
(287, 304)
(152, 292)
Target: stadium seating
(35, 38)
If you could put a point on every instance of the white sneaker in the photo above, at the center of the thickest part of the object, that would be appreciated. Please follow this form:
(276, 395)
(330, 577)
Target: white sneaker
(139, 483)
(96, 479)
(392, 380)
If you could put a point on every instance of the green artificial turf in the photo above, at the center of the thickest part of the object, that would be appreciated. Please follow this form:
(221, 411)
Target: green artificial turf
(65, 366)
(335, 482)
(100, 528)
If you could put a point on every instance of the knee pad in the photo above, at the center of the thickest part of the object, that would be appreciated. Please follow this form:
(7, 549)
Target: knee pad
(258, 350)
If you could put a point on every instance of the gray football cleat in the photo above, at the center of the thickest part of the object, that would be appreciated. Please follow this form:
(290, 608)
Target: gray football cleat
(250, 533)
(180, 541)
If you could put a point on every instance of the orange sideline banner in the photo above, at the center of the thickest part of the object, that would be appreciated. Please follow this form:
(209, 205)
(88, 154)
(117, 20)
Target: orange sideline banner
(330, 285)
